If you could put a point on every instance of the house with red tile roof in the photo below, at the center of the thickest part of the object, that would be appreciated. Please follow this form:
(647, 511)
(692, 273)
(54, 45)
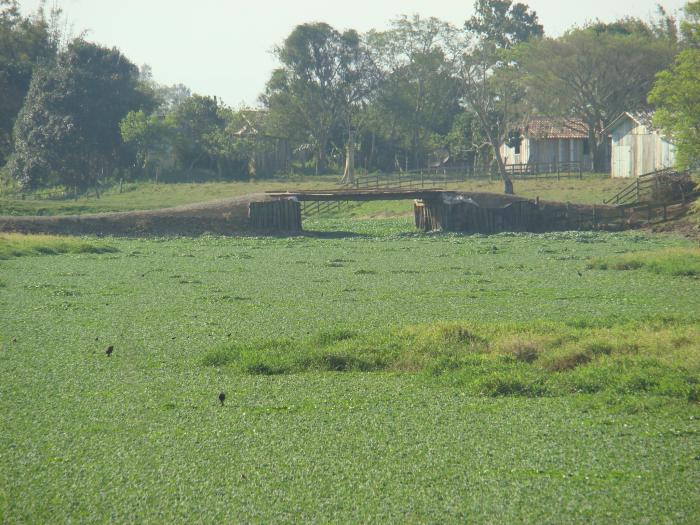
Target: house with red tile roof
(547, 141)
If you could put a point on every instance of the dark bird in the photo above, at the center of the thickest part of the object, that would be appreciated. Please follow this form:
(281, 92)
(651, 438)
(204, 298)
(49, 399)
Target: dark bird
(97, 338)
(109, 350)
(222, 398)
(579, 273)
(14, 339)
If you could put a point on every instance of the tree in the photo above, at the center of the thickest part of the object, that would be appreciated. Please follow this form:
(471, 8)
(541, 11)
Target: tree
(690, 26)
(24, 44)
(676, 94)
(419, 95)
(323, 78)
(595, 73)
(68, 127)
(153, 137)
(490, 74)
(504, 24)
(197, 120)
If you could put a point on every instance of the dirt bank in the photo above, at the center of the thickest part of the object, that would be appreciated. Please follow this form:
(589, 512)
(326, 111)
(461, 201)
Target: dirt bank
(226, 217)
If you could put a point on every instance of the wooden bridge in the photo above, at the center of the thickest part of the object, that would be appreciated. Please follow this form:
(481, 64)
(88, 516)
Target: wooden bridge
(285, 211)
(438, 209)
(357, 195)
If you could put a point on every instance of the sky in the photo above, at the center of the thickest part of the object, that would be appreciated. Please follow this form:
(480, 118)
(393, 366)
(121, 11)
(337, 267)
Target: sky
(224, 47)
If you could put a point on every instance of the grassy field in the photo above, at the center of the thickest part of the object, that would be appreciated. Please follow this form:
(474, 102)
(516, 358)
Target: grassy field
(592, 189)
(375, 374)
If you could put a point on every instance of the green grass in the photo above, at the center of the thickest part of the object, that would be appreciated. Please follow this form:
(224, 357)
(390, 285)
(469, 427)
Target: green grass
(673, 261)
(144, 196)
(594, 188)
(17, 245)
(378, 375)
(541, 359)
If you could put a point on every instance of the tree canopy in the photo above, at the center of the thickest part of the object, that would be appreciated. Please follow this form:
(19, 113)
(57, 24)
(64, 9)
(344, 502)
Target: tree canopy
(676, 93)
(68, 129)
(419, 94)
(595, 73)
(25, 43)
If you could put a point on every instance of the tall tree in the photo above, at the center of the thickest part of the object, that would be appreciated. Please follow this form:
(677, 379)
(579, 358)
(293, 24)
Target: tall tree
(595, 73)
(419, 95)
(25, 42)
(690, 26)
(676, 93)
(503, 23)
(197, 120)
(490, 73)
(153, 137)
(323, 78)
(68, 127)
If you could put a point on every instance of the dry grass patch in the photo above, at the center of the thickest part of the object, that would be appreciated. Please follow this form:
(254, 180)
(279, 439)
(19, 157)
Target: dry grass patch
(677, 262)
(20, 245)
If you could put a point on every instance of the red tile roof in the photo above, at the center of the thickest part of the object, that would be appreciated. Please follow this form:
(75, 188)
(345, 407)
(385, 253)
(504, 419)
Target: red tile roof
(547, 128)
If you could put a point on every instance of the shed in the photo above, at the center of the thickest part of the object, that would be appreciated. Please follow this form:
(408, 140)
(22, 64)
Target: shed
(638, 148)
(273, 154)
(549, 141)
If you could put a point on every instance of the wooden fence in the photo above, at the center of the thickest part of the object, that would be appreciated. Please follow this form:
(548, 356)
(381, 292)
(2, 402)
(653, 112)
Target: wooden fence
(442, 177)
(661, 187)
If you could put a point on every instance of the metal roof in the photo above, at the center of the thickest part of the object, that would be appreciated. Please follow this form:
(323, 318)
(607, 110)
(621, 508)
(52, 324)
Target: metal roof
(643, 118)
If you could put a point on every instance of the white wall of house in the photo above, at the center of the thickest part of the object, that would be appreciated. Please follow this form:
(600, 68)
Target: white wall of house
(543, 151)
(637, 150)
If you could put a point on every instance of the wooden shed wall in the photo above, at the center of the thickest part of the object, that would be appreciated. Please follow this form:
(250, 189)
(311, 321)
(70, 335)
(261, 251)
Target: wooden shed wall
(636, 150)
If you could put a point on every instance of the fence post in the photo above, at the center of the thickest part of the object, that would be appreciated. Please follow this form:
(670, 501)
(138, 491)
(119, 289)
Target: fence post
(595, 218)
(637, 188)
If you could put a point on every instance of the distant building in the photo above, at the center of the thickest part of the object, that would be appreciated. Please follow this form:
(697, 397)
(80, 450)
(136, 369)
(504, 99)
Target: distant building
(272, 154)
(547, 141)
(637, 148)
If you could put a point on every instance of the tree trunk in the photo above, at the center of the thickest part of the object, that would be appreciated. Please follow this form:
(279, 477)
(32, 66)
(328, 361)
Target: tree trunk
(321, 154)
(349, 173)
(507, 181)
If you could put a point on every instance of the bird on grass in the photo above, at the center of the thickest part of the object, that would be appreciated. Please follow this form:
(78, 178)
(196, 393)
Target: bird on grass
(222, 398)
(109, 350)
(579, 273)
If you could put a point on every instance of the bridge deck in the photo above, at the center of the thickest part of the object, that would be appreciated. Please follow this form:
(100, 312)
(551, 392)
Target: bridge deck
(386, 194)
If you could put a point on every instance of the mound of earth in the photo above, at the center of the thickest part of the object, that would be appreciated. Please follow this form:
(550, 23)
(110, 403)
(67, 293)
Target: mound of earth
(225, 217)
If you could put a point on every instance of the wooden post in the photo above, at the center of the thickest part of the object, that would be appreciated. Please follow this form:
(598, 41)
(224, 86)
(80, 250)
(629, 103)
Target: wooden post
(637, 188)
(595, 218)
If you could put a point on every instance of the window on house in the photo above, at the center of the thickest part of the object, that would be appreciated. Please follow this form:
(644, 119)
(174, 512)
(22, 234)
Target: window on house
(517, 147)
(586, 147)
